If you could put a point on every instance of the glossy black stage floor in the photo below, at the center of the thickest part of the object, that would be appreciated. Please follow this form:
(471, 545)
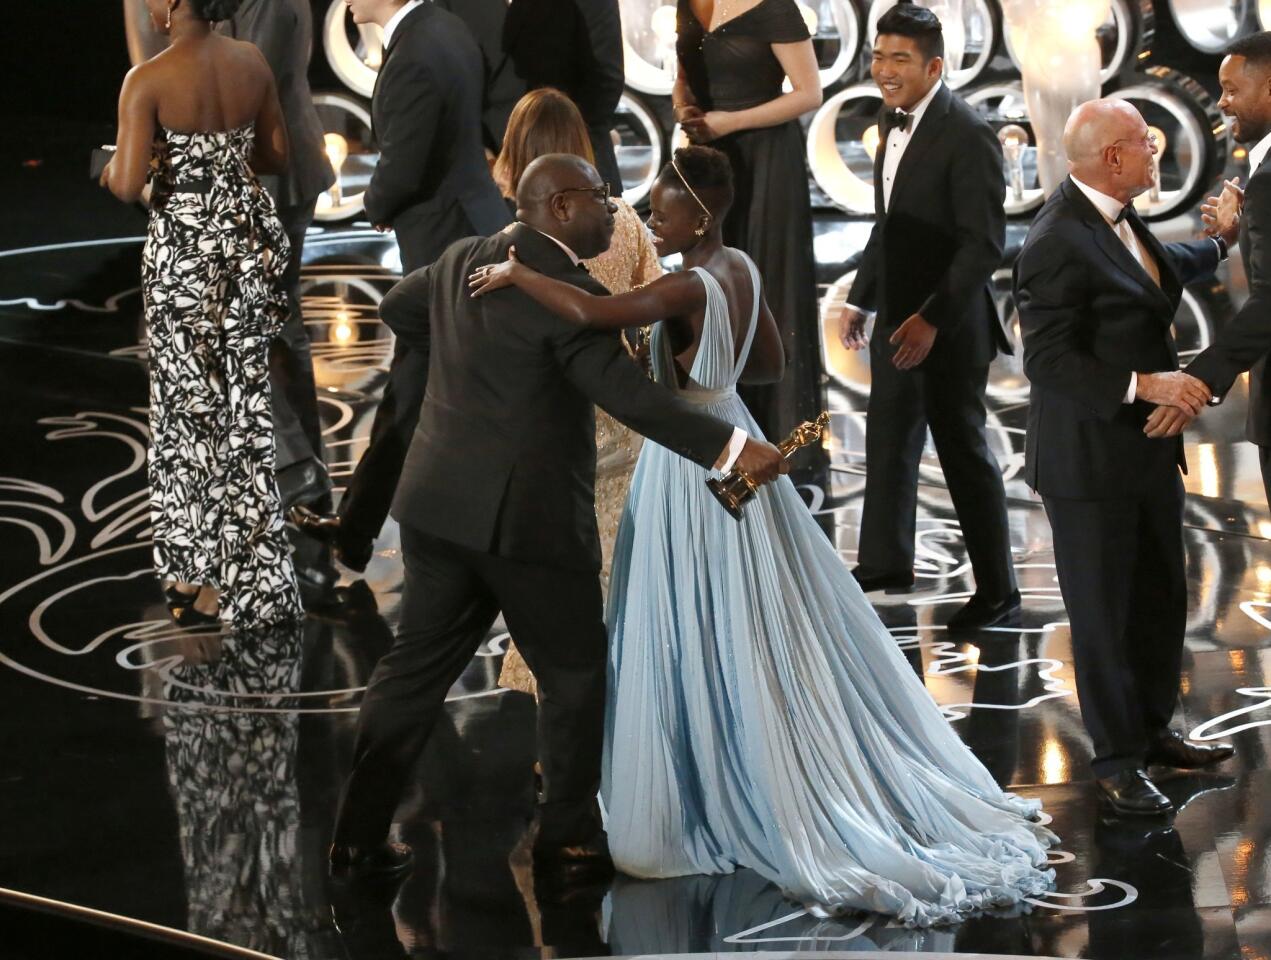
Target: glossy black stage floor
(189, 780)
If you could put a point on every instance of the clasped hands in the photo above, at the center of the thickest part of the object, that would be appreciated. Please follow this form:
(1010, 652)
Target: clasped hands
(1179, 397)
(703, 127)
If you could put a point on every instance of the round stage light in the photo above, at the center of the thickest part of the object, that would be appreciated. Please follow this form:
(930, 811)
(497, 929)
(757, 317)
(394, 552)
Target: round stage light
(354, 51)
(352, 152)
(640, 147)
(972, 29)
(842, 139)
(1211, 25)
(1004, 107)
(1124, 38)
(1191, 134)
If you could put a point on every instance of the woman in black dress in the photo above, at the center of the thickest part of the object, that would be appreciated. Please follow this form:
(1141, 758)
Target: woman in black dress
(733, 57)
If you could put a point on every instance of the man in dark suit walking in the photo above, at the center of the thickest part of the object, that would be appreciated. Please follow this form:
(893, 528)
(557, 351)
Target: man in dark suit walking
(926, 270)
(576, 47)
(497, 512)
(431, 187)
(1244, 342)
(1096, 294)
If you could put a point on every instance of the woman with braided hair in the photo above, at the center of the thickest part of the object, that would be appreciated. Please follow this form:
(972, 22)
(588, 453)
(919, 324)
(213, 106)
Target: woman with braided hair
(197, 122)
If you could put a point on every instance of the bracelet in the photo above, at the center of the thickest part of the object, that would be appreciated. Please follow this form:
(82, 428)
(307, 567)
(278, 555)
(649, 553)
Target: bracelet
(1222, 247)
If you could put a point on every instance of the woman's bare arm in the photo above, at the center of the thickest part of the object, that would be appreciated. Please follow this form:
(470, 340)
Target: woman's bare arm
(125, 175)
(799, 62)
(671, 295)
(271, 149)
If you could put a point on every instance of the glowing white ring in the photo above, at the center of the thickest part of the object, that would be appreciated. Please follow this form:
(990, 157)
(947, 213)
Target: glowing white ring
(351, 204)
(345, 63)
(1035, 196)
(1171, 200)
(635, 194)
(825, 161)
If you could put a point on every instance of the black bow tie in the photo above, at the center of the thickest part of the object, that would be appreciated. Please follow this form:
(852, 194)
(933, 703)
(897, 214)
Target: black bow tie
(1125, 212)
(897, 119)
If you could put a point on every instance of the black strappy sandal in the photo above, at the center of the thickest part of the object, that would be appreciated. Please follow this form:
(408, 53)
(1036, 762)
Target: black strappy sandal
(178, 600)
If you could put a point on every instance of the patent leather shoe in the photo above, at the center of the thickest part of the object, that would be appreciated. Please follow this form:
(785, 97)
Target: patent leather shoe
(870, 580)
(385, 861)
(1131, 792)
(582, 862)
(1172, 749)
(980, 612)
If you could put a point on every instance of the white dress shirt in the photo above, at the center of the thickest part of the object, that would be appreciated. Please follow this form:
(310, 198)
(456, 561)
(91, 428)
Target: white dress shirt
(1258, 152)
(738, 440)
(898, 140)
(397, 18)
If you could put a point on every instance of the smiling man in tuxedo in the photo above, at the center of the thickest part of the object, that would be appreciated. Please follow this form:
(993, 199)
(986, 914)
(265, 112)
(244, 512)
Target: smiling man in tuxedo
(1096, 294)
(926, 270)
(431, 187)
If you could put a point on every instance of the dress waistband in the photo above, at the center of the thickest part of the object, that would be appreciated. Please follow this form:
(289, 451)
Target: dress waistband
(707, 396)
(193, 186)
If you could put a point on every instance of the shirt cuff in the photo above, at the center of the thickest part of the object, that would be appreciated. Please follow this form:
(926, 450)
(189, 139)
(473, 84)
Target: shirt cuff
(869, 314)
(1221, 244)
(732, 451)
(1134, 386)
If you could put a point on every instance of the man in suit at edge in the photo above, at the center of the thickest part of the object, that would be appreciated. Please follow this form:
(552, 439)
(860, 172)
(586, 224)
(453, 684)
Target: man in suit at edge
(1243, 343)
(576, 47)
(283, 30)
(497, 512)
(927, 270)
(431, 187)
(1096, 294)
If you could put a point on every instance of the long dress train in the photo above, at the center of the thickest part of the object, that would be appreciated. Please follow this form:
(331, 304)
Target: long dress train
(760, 714)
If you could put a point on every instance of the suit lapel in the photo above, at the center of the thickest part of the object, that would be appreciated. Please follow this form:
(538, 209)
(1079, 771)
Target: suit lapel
(1111, 246)
(933, 121)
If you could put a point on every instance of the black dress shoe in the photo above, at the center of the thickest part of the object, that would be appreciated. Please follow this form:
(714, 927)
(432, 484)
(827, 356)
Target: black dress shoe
(980, 612)
(870, 580)
(582, 862)
(1130, 791)
(388, 860)
(1171, 749)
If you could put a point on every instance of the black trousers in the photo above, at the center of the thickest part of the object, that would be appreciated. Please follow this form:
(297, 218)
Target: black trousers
(1121, 572)
(369, 495)
(297, 424)
(1264, 459)
(901, 407)
(449, 600)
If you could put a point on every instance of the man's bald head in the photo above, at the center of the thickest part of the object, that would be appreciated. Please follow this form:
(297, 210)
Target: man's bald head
(1106, 142)
(562, 195)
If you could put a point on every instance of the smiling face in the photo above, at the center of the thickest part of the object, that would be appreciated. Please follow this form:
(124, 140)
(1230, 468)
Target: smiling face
(674, 216)
(903, 77)
(1246, 99)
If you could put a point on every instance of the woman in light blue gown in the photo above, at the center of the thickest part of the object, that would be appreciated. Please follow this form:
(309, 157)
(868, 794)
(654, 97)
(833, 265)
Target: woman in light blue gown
(760, 714)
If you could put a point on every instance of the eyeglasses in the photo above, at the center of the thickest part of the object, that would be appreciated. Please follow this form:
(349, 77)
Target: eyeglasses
(1148, 140)
(601, 193)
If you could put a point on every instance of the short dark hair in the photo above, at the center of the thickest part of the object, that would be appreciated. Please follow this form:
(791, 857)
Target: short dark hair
(1255, 48)
(707, 171)
(907, 19)
(215, 10)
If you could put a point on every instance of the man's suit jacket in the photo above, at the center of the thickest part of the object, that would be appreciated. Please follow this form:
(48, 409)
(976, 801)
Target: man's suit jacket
(934, 251)
(1245, 341)
(503, 88)
(283, 30)
(504, 458)
(426, 112)
(1090, 316)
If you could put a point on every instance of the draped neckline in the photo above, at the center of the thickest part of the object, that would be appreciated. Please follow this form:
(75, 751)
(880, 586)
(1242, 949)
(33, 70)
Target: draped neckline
(723, 23)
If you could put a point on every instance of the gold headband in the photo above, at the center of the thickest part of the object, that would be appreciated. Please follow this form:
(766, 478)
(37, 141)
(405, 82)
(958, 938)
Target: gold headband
(693, 193)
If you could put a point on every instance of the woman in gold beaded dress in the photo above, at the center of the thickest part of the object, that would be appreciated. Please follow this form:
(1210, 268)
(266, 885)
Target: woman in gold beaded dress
(546, 121)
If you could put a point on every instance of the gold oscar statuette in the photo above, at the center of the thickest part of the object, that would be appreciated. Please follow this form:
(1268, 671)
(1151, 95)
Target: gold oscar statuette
(735, 489)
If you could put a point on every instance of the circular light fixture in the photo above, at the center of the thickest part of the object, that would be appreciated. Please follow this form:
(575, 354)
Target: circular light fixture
(1003, 106)
(648, 45)
(1123, 38)
(354, 51)
(1211, 25)
(841, 145)
(970, 40)
(352, 153)
(640, 148)
(1192, 138)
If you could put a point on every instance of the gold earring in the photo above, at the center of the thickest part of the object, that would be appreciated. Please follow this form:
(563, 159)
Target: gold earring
(168, 24)
(700, 231)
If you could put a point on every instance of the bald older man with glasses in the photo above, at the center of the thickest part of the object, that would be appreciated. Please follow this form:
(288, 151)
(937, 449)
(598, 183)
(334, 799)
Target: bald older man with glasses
(1096, 294)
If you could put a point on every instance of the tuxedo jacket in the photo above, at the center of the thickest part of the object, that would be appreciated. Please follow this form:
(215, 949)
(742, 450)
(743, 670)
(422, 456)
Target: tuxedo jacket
(426, 113)
(572, 45)
(934, 251)
(1090, 316)
(503, 88)
(283, 30)
(504, 457)
(1245, 341)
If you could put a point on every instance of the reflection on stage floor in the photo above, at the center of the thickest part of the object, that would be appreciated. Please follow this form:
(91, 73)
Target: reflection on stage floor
(189, 778)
